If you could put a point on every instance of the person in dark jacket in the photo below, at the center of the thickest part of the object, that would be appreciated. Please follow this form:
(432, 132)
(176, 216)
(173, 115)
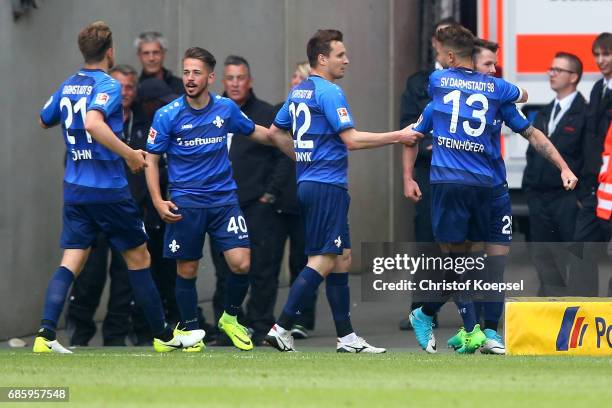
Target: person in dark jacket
(590, 228)
(552, 209)
(291, 225)
(259, 184)
(151, 47)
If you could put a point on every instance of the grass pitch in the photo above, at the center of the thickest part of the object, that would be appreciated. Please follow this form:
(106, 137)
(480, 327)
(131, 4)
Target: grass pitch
(223, 377)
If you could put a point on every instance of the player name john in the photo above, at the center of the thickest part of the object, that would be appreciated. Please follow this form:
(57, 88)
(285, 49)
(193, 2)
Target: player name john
(444, 285)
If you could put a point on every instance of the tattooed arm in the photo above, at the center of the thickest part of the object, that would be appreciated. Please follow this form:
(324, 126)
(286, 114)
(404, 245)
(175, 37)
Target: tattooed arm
(544, 147)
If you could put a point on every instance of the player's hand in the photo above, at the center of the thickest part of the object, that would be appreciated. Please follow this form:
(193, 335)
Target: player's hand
(136, 161)
(412, 190)
(569, 179)
(409, 136)
(168, 211)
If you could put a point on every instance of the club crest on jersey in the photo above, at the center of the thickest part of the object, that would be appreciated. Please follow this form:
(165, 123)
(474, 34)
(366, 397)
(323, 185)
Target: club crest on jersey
(218, 122)
(151, 137)
(343, 115)
(338, 242)
(174, 246)
(102, 98)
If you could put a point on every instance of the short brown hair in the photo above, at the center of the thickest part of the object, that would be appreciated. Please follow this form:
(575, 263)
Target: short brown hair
(486, 44)
(481, 44)
(458, 38)
(94, 41)
(603, 41)
(574, 61)
(203, 55)
(320, 43)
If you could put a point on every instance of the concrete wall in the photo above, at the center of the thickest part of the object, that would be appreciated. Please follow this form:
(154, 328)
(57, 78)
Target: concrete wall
(39, 51)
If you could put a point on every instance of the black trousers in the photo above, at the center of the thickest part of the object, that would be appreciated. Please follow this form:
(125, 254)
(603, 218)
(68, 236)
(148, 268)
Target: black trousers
(423, 231)
(589, 235)
(291, 226)
(163, 272)
(261, 221)
(552, 219)
(85, 298)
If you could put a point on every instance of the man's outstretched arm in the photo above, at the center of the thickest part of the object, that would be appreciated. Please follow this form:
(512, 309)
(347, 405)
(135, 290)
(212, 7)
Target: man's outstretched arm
(274, 136)
(544, 146)
(355, 139)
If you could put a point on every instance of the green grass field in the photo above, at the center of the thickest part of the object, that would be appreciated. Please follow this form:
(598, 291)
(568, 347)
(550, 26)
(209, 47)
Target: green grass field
(138, 377)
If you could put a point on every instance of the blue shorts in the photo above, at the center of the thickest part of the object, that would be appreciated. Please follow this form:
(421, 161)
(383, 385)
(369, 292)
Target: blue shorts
(460, 213)
(324, 208)
(120, 222)
(225, 225)
(501, 217)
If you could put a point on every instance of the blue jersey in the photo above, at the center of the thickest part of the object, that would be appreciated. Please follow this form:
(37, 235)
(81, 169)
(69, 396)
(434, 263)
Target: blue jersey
(317, 112)
(93, 174)
(515, 120)
(195, 142)
(508, 113)
(465, 104)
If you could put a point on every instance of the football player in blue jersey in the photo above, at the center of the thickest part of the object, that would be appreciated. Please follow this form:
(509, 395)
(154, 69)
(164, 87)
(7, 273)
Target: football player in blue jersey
(96, 194)
(497, 207)
(319, 117)
(500, 231)
(192, 131)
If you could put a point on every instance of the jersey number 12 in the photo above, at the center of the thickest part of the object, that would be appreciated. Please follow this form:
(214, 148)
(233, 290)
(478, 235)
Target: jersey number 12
(295, 113)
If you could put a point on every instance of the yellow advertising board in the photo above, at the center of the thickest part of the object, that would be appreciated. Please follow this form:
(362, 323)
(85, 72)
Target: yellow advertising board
(559, 326)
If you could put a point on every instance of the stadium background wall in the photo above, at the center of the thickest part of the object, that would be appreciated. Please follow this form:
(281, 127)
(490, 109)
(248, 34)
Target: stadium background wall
(39, 51)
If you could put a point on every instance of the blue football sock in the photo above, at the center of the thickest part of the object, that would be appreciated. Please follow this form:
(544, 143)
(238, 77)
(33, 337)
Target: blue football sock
(494, 305)
(237, 288)
(477, 273)
(479, 310)
(187, 301)
(57, 289)
(468, 315)
(339, 298)
(147, 297)
(303, 288)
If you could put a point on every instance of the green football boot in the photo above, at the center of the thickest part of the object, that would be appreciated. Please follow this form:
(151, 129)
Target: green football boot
(473, 341)
(457, 341)
(237, 333)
